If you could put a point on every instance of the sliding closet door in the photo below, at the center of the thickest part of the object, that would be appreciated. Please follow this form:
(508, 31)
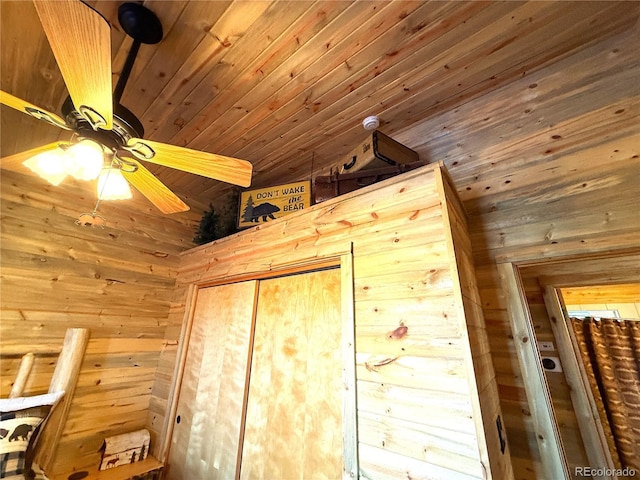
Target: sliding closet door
(294, 424)
(205, 442)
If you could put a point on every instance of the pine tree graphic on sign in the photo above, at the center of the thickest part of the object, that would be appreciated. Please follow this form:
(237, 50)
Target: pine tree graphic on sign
(247, 213)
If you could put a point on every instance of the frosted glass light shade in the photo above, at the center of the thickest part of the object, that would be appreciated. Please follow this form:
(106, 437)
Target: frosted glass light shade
(85, 160)
(51, 165)
(113, 186)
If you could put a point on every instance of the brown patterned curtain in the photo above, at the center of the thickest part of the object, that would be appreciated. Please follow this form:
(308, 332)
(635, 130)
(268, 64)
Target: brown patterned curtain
(610, 351)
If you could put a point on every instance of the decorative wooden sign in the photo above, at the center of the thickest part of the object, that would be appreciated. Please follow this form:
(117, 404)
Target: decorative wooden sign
(265, 204)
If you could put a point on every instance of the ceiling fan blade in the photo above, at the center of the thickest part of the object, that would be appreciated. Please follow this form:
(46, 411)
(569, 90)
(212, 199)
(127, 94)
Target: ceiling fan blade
(31, 109)
(14, 162)
(211, 165)
(156, 191)
(81, 42)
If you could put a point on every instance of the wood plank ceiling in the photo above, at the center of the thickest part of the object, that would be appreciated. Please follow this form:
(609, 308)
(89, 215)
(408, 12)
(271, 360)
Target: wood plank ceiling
(286, 84)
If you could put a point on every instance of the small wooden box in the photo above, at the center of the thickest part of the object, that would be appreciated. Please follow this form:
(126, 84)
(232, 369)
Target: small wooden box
(377, 151)
(125, 449)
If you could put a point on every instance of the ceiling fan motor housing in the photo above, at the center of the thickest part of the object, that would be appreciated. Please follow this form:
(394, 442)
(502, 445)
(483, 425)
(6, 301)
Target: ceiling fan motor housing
(92, 115)
(125, 126)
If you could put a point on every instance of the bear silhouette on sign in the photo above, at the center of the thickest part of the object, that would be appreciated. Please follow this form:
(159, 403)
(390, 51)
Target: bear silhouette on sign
(264, 210)
(21, 432)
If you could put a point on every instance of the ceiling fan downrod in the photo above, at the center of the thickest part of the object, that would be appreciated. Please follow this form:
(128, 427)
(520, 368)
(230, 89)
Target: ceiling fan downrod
(143, 26)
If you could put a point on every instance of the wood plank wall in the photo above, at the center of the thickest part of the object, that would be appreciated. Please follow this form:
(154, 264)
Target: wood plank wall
(116, 281)
(547, 167)
(415, 399)
(483, 373)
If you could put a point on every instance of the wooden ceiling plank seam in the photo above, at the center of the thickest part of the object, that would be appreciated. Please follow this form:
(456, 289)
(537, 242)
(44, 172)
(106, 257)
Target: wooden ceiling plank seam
(389, 81)
(292, 154)
(198, 76)
(342, 91)
(188, 31)
(50, 90)
(538, 92)
(301, 95)
(322, 52)
(219, 38)
(567, 138)
(521, 131)
(294, 39)
(423, 110)
(236, 63)
(399, 108)
(478, 156)
(619, 137)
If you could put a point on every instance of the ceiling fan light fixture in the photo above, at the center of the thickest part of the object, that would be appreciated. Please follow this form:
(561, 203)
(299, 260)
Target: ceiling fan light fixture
(85, 160)
(102, 126)
(51, 165)
(113, 186)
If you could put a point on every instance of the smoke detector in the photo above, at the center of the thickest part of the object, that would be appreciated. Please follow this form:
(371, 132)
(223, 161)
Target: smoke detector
(371, 123)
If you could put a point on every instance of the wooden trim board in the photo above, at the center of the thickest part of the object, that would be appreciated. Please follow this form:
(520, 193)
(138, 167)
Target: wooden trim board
(350, 469)
(551, 450)
(586, 412)
(183, 348)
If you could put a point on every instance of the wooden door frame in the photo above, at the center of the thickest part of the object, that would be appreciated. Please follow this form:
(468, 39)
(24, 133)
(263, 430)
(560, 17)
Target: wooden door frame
(552, 456)
(340, 257)
(584, 405)
(604, 268)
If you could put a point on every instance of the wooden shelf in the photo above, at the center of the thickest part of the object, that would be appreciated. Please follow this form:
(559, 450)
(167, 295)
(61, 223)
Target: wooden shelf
(125, 472)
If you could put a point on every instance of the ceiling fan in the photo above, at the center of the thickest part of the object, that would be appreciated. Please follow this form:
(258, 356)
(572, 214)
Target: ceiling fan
(104, 129)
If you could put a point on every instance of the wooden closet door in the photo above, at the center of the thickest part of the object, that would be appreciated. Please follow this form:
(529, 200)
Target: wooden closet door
(205, 444)
(294, 412)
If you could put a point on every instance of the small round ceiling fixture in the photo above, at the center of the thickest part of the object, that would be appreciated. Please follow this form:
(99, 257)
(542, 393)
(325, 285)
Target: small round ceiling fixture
(371, 123)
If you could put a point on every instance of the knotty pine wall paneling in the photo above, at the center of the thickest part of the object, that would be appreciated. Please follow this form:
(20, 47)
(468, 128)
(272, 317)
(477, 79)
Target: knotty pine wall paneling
(547, 168)
(426, 391)
(117, 282)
